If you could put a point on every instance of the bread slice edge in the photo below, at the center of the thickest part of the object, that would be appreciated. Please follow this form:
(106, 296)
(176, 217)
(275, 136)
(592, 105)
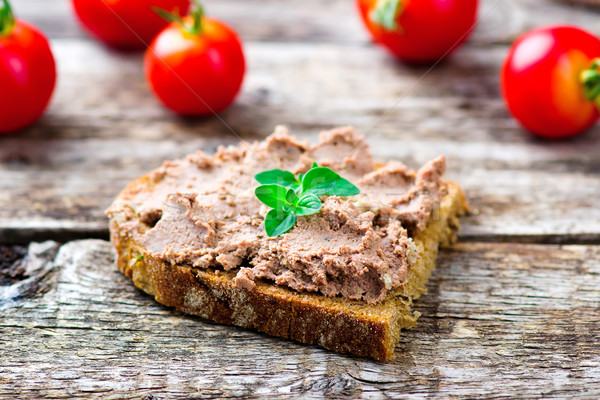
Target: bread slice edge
(341, 325)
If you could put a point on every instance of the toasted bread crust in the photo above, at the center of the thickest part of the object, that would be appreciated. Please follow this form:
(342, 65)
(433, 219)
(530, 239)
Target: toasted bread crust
(345, 326)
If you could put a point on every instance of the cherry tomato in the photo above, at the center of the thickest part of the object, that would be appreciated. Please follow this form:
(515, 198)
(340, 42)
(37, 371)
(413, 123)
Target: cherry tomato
(419, 31)
(27, 72)
(541, 81)
(196, 65)
(125, 24)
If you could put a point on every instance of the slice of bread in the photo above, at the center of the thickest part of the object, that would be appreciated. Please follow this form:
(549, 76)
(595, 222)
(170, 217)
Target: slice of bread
(341, 325)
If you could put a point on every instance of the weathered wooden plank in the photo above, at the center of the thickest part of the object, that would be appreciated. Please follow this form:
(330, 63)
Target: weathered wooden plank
(105, 129)
(509, 203)
(499, 321)
(583, 3)
(331, 21)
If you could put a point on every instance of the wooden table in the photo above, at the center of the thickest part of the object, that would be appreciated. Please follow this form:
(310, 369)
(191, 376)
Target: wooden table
(512, 311)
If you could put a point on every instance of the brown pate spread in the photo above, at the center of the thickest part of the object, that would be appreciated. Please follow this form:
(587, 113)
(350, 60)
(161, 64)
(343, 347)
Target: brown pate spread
(201, 211)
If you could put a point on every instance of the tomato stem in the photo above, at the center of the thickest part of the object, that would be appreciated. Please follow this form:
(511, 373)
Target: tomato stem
(590, 79)
(196, 13)
(7, 19)
(386, 12)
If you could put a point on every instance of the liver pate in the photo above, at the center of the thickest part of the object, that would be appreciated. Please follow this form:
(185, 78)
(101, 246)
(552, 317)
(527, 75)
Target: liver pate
(201, 211)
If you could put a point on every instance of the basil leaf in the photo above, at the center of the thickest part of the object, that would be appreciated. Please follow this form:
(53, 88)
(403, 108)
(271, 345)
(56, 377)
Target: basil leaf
(278, 177)
(291, 197)
(308, 204)
(343, 187)
(273, 196)
(278, 222)
(318, 181)
(322, 180)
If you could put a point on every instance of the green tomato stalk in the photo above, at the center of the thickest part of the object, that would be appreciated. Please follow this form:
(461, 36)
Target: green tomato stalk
(7, 19)
(385, 14)
(196, 12)
(590, 79)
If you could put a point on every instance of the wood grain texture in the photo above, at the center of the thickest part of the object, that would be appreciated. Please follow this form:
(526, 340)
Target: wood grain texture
(330, 21)
(104, 128)
(588, 3)
(59, 175)
(499, 321)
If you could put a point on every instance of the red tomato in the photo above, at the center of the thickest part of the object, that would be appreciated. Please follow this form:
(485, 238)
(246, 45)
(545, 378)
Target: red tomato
(541, 80)
(196, 66)
(125, 24)
(27, 72)
(419, 31)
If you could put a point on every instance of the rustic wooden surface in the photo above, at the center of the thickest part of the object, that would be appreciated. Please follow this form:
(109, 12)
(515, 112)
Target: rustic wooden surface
(311, 76)
(513, 311)
(499, 321)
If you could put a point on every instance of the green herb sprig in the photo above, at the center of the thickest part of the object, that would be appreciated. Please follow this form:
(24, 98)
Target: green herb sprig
(291, 197)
